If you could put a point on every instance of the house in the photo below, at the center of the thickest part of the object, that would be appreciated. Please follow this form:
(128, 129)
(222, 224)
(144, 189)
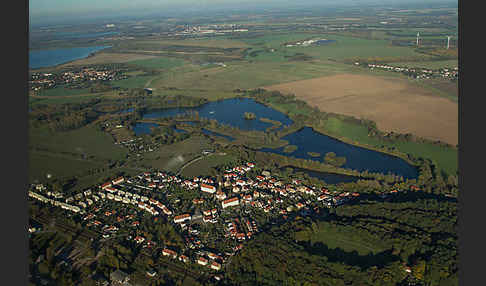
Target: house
(247, 198)
(202, 261)
(215, 266)
(230, 202)
(110, 189)
(208, 188)
(184, 258)
(207, 212)
(118, 180)
(220, 195)
(105, 185)
(170, 253)
(182, 218)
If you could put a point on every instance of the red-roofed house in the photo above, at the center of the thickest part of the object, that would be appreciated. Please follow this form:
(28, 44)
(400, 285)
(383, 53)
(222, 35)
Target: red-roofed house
(182, 218)
(202, 261)
(208, 188)
(118, 181)
(230, 202)
(215, 265)
(170, 253)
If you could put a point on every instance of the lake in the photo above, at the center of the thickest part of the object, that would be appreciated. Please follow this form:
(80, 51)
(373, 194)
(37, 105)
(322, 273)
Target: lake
(229, 112)
(329, 178)
(324, 42)
(48, 58)
(357, 158)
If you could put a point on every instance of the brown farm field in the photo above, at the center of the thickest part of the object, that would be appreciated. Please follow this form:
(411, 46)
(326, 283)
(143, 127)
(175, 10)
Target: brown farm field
(395, 104)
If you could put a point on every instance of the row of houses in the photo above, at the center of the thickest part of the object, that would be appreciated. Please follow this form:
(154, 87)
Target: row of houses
(418, 73)
(63, 205)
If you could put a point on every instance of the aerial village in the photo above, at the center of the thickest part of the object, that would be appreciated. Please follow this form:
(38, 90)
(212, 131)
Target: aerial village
(417, 73)
(228, 209)
(75, 78)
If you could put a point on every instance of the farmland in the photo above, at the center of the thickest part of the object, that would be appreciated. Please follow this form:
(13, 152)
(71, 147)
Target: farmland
(394, 105)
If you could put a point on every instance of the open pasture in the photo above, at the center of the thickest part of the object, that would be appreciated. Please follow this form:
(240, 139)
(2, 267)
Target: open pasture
(394, 104)
(107, 58)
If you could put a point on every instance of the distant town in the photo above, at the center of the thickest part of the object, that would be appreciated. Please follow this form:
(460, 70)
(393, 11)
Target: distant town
(75, 78)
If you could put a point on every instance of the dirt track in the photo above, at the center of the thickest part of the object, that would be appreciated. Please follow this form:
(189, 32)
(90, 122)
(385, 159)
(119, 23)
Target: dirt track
(394, 104)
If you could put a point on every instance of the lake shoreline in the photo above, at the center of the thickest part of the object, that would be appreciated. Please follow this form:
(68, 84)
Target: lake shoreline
(55, 66)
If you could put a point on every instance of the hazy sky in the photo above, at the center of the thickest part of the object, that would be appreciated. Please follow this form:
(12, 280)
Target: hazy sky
(48, 10)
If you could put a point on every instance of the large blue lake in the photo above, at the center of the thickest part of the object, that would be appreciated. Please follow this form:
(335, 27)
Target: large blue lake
(357, 158)
(229, 112)
(48, 58)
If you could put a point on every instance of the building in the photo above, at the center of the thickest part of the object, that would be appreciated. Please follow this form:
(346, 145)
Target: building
(208, 188)
(202, 261)
(215, 266)
(182, 218)
(220, 195)
(170, 253)
(106, 185)
(230, 202)
(118, 181)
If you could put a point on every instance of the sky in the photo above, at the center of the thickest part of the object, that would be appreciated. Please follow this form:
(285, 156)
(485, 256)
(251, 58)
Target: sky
(50, 10)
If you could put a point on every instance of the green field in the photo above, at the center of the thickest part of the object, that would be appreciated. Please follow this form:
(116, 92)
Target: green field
(132, 82)
(446, 158)
(86, 140)
(203, 166)
(41, 164)
(62, 91)
(343, 48)
(62, 100)
(158, 63)
(343, 237)
(172, 157)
